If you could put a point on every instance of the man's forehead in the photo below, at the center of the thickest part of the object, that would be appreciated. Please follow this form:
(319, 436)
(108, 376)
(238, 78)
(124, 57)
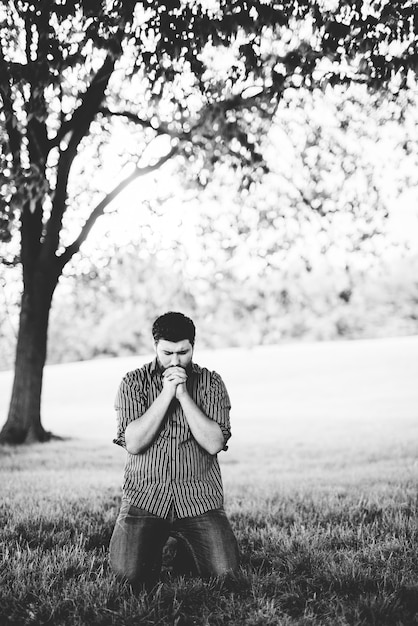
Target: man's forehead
(174, 346)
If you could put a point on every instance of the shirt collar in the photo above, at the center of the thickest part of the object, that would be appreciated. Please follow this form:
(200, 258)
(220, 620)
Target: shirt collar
(155, 367)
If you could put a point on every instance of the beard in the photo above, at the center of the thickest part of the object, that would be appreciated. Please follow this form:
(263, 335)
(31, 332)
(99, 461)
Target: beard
(187, 368)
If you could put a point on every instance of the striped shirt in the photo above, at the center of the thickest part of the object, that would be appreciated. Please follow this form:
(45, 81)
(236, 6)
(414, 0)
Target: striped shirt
(174, 469)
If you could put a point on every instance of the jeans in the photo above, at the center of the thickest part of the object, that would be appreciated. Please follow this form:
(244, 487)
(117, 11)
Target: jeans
(206, 544)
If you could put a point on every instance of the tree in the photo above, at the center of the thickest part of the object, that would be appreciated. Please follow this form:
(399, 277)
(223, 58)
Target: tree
(71, 71)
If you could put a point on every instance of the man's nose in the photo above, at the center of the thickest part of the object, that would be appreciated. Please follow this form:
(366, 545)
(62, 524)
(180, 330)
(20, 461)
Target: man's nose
(175, 360)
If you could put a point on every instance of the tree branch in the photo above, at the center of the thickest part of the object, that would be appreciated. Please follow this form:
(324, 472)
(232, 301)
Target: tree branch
(99, 210)
(234, 102)
(77, 118)
(161, 129)
(11, 124)
(81, 121)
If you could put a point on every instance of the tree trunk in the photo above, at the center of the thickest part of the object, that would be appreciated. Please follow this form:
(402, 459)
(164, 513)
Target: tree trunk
(23, 424)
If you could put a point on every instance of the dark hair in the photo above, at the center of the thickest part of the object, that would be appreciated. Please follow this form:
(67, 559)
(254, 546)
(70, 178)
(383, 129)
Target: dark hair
(174, 327)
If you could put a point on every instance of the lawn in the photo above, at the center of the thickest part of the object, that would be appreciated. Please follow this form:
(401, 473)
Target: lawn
(320, 482)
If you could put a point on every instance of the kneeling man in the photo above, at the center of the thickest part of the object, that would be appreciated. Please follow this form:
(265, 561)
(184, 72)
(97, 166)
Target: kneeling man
(173, 419)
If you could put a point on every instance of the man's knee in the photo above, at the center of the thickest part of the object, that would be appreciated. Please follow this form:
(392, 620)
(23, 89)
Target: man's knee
(226, 561)
(138, 574)
(137, 563)
(123, 562)
(223, 558)
(220, 567)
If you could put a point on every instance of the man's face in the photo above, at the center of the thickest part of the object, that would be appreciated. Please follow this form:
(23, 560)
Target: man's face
(170, 353)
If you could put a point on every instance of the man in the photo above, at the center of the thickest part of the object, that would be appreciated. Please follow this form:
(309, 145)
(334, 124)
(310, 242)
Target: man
(173, 419)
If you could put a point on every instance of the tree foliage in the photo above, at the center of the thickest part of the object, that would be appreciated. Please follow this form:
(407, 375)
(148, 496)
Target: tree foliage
(69, 67)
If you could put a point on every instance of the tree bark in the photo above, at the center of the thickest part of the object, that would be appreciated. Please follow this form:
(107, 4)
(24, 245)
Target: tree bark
(23, 424)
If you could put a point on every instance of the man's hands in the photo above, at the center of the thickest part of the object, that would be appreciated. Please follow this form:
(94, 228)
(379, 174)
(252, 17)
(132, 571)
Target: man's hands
(174, 381)
(206, 431)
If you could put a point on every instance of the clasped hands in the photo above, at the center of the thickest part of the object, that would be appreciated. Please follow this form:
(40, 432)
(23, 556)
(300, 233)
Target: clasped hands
(174, 381)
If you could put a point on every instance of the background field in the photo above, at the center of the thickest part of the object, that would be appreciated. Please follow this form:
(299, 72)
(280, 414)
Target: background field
(320, 480)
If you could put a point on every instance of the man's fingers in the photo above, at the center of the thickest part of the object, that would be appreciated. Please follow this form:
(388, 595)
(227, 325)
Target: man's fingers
(175, 373)
(178, 377)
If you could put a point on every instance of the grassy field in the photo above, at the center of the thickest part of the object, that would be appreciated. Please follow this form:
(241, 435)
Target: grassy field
(321, 489)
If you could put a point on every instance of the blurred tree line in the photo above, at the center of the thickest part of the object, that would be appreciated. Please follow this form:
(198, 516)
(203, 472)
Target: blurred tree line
(110, 317)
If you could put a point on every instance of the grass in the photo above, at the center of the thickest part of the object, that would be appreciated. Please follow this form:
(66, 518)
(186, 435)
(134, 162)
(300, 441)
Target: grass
(324, 505)
(317, 547)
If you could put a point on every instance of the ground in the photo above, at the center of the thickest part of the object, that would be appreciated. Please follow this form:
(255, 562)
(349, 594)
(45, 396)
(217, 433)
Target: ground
(320, 481)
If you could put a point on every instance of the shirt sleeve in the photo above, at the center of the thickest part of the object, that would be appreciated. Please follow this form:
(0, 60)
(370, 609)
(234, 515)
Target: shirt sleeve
(130, 403)
(217, 405)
